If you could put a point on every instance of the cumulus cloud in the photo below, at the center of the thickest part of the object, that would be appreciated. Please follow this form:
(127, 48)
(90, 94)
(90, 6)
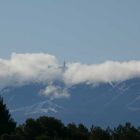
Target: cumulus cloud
(21, 69)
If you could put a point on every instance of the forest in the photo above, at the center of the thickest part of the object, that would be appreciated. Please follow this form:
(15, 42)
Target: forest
(50, 128)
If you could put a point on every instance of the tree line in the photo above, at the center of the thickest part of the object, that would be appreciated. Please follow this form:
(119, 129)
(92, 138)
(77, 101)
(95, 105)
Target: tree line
(50, 128)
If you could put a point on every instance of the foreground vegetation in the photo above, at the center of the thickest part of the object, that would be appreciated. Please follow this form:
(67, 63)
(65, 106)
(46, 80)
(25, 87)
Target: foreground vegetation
(49, 128)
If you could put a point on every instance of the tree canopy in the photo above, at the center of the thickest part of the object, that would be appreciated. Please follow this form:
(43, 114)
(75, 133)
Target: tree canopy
(50, 128)
(7, 124)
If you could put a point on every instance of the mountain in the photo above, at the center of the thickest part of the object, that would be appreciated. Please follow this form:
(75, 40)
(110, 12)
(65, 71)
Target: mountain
(103, 104)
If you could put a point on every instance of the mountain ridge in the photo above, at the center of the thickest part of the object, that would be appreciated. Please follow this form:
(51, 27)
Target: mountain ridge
(87, 103)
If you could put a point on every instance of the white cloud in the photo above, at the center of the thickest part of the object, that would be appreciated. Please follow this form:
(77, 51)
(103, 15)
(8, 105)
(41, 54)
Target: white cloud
(26, 68)
(107, 72)
(55, 92)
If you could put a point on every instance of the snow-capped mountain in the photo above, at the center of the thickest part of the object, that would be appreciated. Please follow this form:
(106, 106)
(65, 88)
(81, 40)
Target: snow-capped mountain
(103, 104)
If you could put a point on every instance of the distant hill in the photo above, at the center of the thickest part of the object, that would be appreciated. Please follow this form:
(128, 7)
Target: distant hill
(103, 104)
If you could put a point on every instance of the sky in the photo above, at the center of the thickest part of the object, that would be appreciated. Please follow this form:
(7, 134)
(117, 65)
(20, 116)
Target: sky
(98, 39)
(87, 31)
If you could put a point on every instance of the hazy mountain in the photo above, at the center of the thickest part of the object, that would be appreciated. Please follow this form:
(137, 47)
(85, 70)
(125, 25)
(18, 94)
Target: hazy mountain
(103, 104)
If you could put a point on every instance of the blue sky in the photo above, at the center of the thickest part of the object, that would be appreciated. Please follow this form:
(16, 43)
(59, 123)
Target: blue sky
(90, 31)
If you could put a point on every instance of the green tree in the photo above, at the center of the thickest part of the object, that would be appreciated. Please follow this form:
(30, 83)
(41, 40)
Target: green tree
(79, 132)
(126, 132)
(98, 133)
(7, 124)
(30, 130)
(43, 137)
(51, 126)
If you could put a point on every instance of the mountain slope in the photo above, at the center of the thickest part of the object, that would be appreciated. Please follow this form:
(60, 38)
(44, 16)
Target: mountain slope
(103, 104)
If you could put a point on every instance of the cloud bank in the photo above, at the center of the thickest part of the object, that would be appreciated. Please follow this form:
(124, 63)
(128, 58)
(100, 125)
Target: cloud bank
(107, 72)
(22, 69)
